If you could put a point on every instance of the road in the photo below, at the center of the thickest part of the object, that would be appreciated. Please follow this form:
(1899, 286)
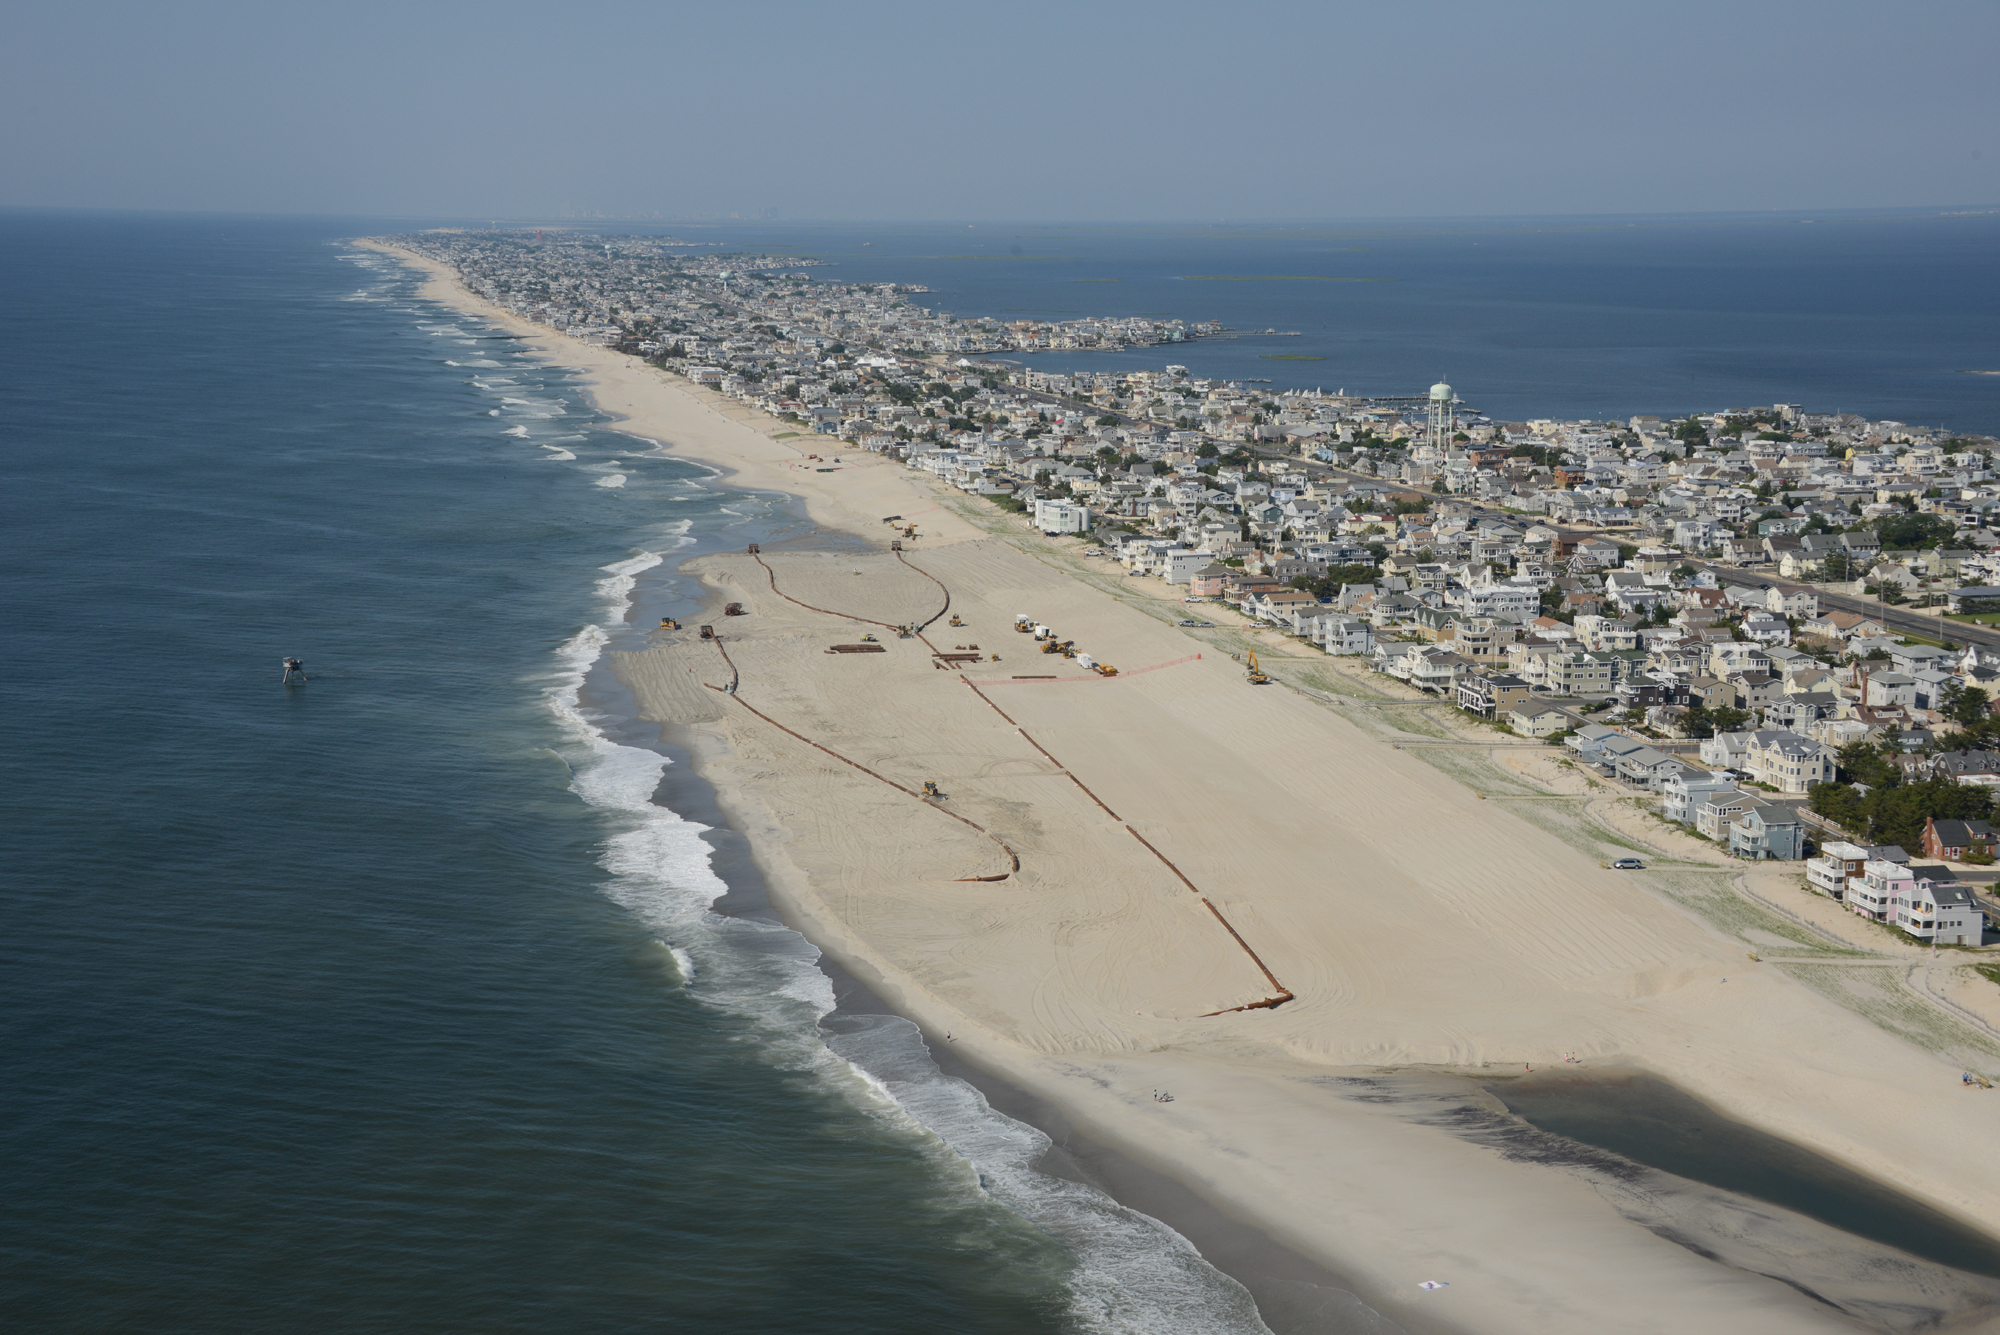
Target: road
(1894, 618)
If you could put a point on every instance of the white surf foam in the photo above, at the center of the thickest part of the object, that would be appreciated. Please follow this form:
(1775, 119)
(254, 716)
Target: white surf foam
(520, 431)
(624, 577)
(1135, 1276)
(612, 480)
(558, 453)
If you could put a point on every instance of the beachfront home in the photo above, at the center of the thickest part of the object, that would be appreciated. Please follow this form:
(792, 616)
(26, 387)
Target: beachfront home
(1873, 894)
(1644, 767)
(1491, 695)
(1683, 793)
(1346, 635)
(1768, 831)
(1211, 581)
(1058, 517)
(1718, 813)
(1929, 910)
(1840, 862)
(1533, 720)
(1942, 912)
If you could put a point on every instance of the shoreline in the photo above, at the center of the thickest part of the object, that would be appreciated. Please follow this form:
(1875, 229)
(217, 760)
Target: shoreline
(1542, 1250)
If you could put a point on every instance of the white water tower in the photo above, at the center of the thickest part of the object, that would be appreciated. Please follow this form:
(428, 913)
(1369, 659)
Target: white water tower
(1439, 435)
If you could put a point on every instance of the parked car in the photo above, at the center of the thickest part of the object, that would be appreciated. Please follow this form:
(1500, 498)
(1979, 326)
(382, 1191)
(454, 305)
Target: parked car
(1629, 864)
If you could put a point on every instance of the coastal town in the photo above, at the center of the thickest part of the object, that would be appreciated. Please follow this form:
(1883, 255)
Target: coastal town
(1715, 610)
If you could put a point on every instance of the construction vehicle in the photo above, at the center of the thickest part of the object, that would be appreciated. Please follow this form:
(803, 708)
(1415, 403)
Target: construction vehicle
(1044, 633)
(956, 620)
(868, 638)
(1067, 648)
(1086, 662)
(904, 632)
(668, 623)
(1257, 677)
(1104, 670)
(910, 531)
(1023, 622)
(1049, 647)
(708, 632)
(733, 610)
(932, 790)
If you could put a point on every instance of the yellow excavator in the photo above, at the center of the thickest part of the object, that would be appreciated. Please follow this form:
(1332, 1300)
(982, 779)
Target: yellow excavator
(1257, 677)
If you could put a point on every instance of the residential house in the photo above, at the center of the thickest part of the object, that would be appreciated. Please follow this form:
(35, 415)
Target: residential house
(1785, 760)
(1716, 815)
(1840, 861)
(1645, 767)
(1953, 840)
(1491, 695)
(1941, 912)
(1874, 893)
(1683, 793)
(1842, 626)
(1211, 581)
(1768, 831)
(1538, 720)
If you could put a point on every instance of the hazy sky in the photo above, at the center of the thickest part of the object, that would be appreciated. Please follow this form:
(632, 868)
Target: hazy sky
(883, 110)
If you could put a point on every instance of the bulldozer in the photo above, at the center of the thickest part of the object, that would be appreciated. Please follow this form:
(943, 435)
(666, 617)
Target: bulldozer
(1105, 670)
(957, 620)
(1257, 677)
(668, 623)
(932, 790)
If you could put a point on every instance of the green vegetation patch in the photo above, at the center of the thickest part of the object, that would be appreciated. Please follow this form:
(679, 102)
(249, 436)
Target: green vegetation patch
(1878, 995)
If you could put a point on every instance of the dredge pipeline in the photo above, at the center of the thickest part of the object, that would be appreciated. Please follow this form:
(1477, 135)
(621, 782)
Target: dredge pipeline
(735, 677)
(919, 628)
(1280, 993)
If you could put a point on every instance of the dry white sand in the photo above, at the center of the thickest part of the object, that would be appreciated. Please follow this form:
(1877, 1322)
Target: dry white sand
(1414, 923)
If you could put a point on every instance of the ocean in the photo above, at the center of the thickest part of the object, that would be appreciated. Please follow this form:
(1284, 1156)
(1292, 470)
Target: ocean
(394, 1001)
(433, 995)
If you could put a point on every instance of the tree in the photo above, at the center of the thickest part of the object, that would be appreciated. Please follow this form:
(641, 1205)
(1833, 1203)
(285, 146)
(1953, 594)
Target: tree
(1107, 420)
(1914, 530)
(1965, 706)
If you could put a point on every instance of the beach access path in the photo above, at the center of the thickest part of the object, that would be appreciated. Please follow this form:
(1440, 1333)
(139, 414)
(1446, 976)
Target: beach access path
(1191, 848)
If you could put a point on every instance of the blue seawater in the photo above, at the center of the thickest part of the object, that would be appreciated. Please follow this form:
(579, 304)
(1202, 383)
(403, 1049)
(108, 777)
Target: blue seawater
(1884, 314)
(394, 1001)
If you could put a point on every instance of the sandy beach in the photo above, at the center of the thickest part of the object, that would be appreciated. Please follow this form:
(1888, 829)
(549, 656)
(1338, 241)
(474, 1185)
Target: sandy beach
(1125, 872)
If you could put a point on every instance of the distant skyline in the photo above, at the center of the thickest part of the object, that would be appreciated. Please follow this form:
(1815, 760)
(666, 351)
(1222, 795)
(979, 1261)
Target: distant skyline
(889, 111)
